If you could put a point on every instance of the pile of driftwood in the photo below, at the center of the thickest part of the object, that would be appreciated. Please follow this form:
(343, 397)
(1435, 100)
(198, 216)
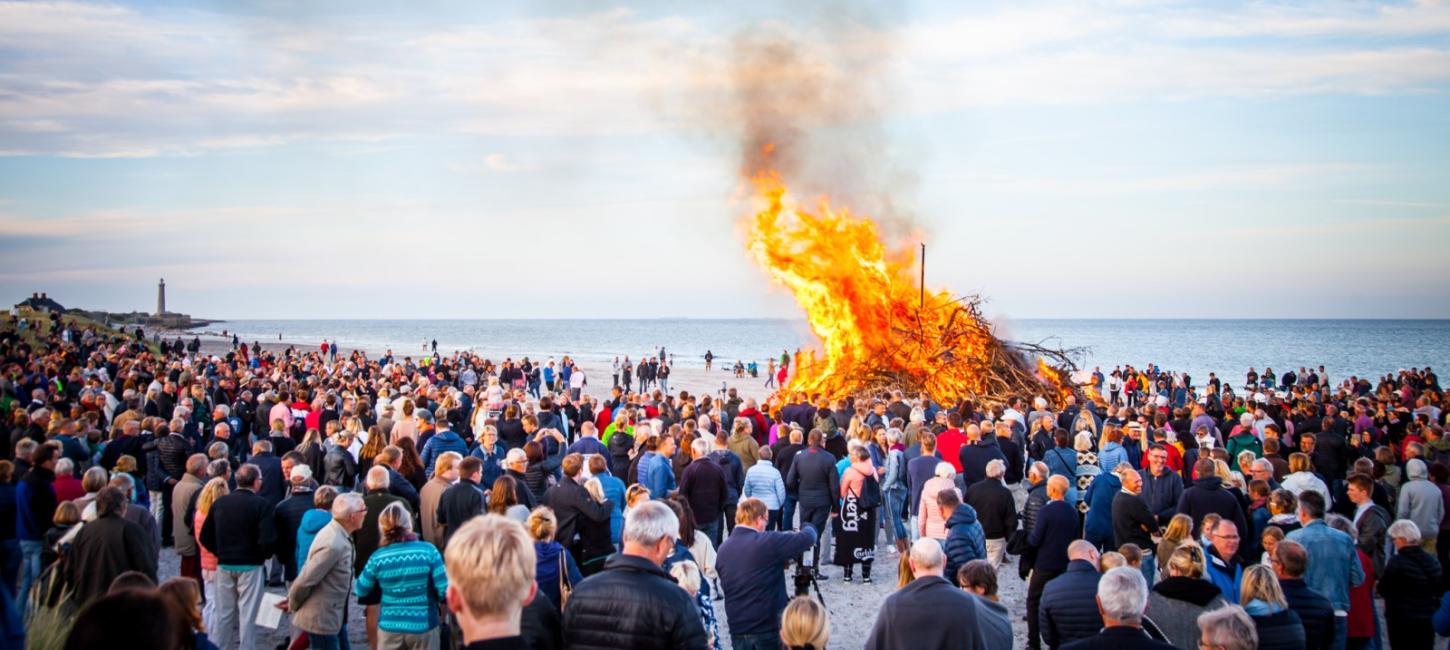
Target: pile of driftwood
(948, 351)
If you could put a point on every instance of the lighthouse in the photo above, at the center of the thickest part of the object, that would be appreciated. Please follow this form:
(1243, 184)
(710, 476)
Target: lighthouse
(161, 297)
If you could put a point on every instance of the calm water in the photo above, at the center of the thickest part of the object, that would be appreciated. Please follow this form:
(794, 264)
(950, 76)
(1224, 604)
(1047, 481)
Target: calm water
(1228, 347)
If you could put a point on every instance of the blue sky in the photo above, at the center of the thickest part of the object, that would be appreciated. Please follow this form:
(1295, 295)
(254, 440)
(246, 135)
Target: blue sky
(475, 160)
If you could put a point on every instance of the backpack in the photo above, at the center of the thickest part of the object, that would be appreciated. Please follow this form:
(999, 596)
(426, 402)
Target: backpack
(869, 496)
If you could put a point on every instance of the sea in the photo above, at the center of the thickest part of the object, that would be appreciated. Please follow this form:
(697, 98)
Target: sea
(1365, 348)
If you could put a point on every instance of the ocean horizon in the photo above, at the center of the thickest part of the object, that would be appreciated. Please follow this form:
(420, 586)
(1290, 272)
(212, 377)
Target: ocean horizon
(1229, 347)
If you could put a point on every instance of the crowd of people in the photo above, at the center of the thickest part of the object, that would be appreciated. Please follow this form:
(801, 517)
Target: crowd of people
(459, 504)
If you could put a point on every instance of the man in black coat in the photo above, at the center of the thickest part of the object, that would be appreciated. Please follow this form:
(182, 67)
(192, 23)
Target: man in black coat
(106, 548)
(1290, 561)
(1162, 487)
(1133, 523)
(632, 602)
(1055, 527)
(817, 485)
(274, 484)
(287, 518)
(462, 500)
(1069, 610)
(1208, 495)
(996, 510)
(703, 485)
(240, 531)
(1122, 595)
(573, 507)
(172, 450)
(975, 455)
(929, 612)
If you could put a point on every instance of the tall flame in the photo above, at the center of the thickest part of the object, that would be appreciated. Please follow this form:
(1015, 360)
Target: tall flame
(863, 303)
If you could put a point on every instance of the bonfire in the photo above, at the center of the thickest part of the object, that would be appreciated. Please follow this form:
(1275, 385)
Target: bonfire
(879, 327)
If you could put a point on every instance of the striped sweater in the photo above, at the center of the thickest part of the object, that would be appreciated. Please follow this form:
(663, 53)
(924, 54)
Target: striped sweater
(404, 571)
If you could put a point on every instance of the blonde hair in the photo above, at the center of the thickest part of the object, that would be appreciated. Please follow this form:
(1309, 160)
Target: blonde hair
(543, 524)
(1111, 560)
(1186, 561)
(445, 462)
(687, 574)
(215, 489)
(1180, 527)
(394, 523)
(490, 563)
(1260, 583)
(805, 622)
(1298, 462)
(126, 464)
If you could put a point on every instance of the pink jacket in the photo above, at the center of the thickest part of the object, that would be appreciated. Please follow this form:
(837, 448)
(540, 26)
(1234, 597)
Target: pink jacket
(932, 525)
(208, 560)
(856, 475)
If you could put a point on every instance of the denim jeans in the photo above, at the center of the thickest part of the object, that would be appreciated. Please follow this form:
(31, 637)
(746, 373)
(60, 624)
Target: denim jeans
(755, 642)
(710, 530)
(29, 568)
(895, 502)
(787, 513)
(1149, 568)
(324, 641)
(772, 520)
(1341, 632)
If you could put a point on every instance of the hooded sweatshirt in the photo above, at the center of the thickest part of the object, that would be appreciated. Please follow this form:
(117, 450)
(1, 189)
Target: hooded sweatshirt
(313, 521)
(1420, 500)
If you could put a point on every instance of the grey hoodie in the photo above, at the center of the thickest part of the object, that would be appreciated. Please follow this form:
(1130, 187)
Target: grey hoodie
(1420, 500)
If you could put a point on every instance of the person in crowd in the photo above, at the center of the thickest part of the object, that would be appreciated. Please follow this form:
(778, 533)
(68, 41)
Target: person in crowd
(996, 509)
(920, 468)
(1334, 567)
(1133, 522)
(583, 516)
(979, 578)
(288, 515)
(704, 486)
(751, 565)
(1227, 628)
(1183, 596)
(183, 496)
(503, 499)
(764, 482)
(1067, 611)
(106, 547)
(369, 537)
(1055, 528)
(854, 528)
(462, 500)
(241, 532)
(1122, 596)
(1223, 567)
(142, 617)
(444, 440)
(408, 572)
(314, 520)
(978, 451)
(805, 624)
(556, 573)
(490, 565)
(317, 598)
(929, 612)
(1208, 496)
(1289, 563)
(1277, 626)
(35, 504)
(1410, 586)
(1422, 502)
(443, 474)
(930, 521)
(1162, 487)
(965, 540)
(817, 485)
(633, 603)
(1371, 520)
(184, 597)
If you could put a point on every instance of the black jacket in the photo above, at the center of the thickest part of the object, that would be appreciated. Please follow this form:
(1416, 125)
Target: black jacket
(240, 529)
(1280, 631)
(1314, 610)
(339, 468)
(1013, 452)
(1208, 495)
(703, 484)
(632, 603)
(104, 549)
(1411, 585)
(577, 512)
(1119, 638)
(995, 506)
(814, 479)
(974, 459)
(287, 518)
(1069, 609)
(459, 503)
(367, 538)
(274, 484)
(174, 450)
(1133, 523)
(620, 444)
(929, 613)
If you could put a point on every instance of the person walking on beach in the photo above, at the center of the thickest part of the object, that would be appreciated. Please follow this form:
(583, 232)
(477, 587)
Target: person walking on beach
(770, 372)
(709, 360)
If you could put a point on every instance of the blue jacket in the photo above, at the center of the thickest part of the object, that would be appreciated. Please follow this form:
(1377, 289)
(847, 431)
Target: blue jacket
(659, 477)
(441, 443)
(965, 540)
(1217, 572)
(1110, 455)
(1069, 609)
(1054, 528)
(614, 491)
(313, 521)
(764, 482)
(974, 459)
(750, 565)
(1099, 524)
(1336, 565)
(1314, 611)
(492, 463)
(1062, 461)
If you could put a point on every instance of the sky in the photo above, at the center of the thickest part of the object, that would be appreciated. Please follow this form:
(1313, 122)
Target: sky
(1113, 159)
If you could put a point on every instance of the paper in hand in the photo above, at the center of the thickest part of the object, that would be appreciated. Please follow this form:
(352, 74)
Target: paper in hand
(268, 615)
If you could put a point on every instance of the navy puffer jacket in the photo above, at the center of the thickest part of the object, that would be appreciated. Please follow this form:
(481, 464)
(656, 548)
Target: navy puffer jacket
(965, 540)
(1069, 609)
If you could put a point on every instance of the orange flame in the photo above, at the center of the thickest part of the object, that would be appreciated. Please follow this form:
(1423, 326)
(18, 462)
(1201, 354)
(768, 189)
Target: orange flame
(862, 301)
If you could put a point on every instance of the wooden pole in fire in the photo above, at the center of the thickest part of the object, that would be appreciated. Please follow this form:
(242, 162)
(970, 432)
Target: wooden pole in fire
(922, 304)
